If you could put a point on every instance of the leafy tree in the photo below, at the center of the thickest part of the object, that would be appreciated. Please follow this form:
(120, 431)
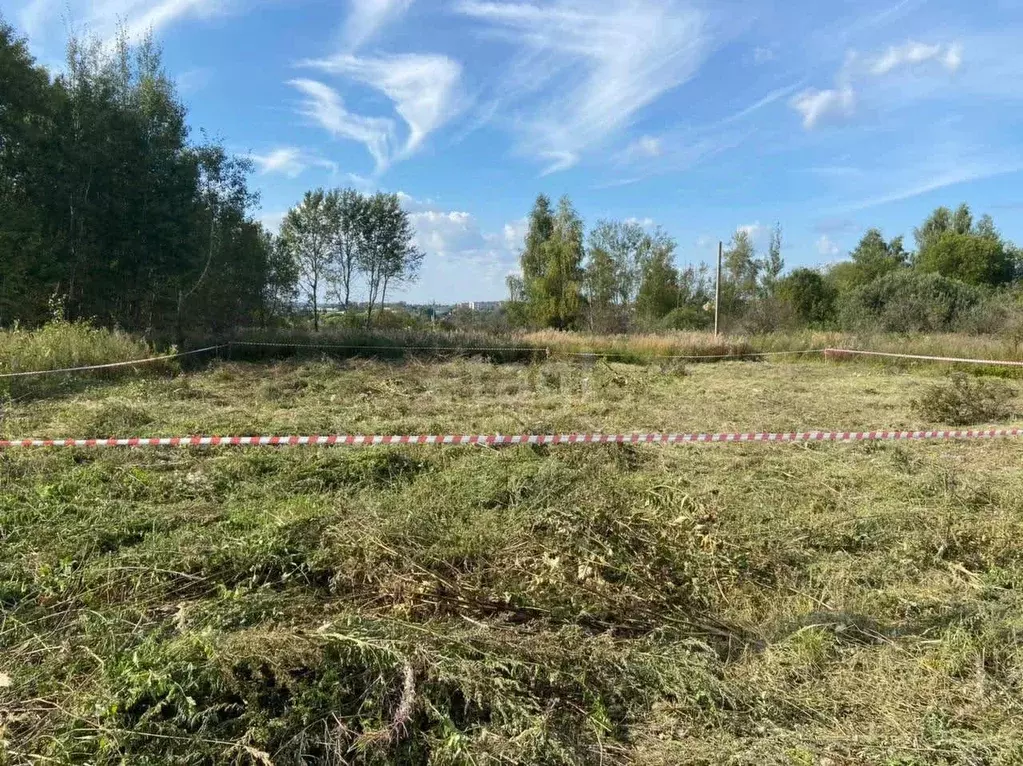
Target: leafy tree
(601, 287)
(873, 258)
(809, 295)
(556, 293)
(306, 236)
(346, 214)
(29, 242)
(541, 229)
(659, 286)
(280, 287)
(741, 268)
(105, 204)
(973, 259)
(387, 254)
(622, 242)
(773, 264)
(937, 223)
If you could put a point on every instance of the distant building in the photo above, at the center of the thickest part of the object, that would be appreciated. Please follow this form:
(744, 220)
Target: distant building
(482, 305)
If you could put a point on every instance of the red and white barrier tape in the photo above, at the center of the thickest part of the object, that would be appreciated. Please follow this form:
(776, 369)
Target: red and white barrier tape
(498, 440)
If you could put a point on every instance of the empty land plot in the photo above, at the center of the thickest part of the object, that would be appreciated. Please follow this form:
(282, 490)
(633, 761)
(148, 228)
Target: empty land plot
(743, 604)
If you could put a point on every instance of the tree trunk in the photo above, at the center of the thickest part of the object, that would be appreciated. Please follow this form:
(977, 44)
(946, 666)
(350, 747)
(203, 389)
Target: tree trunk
(316, 308)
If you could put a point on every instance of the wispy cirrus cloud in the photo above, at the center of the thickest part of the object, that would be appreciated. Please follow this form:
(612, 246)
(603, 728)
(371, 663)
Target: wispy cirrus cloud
(324, 106)
(953, 174)
(290, 161)
(914, 53)
(103, 17)
(368, 17)
(582, 71)
(424, 89)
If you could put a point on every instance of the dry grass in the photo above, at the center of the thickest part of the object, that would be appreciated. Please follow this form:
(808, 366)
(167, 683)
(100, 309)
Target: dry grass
(748, 605)
(639, 347)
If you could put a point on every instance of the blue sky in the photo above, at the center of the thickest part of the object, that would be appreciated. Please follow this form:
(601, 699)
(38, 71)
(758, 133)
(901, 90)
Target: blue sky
(826, 116)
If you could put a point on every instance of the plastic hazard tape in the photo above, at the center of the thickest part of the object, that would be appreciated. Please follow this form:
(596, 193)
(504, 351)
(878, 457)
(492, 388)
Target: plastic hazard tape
(498, 440)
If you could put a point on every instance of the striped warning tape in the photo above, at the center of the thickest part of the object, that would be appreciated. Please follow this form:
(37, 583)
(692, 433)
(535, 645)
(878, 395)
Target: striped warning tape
(499, 440)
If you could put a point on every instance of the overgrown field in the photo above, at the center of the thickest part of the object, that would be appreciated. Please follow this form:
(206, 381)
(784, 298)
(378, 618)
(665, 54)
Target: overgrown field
(748, 604)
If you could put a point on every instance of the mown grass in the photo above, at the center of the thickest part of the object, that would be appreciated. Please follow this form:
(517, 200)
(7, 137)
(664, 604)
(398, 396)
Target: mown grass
(749, 604)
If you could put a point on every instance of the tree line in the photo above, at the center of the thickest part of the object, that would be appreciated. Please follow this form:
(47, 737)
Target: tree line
(963, 275)
(110, 213)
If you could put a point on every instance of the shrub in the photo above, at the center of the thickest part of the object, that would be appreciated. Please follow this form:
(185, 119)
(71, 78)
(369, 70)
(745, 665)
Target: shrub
(963, 401)
(908, 301)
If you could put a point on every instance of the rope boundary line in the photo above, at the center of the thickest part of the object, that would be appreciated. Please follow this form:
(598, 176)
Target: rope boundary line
(548, 352)
(499, 440)
(112, 365)
(890, 355)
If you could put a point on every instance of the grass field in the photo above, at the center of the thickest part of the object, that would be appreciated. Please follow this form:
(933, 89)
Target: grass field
(819, 604)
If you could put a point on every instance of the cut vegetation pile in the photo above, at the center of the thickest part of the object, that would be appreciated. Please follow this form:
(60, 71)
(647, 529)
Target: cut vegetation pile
(747, 604)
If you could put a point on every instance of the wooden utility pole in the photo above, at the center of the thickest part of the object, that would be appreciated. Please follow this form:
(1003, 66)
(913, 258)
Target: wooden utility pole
(717, 290)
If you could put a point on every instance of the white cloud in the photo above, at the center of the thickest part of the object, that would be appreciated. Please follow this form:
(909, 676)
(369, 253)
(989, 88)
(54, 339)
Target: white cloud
(424, 89)
(515, 235)
(646, 223)
(763, 54)
(826, 247)
(461, 253)
(47, 22)
(273, 221)
(754, 230)
(193, 80)
(644, 147)
(324, 106)
(446, 233)
(820, 105)
(600, 62)
(864, 73)
(368, 17)
(290, 161)
(912, 53)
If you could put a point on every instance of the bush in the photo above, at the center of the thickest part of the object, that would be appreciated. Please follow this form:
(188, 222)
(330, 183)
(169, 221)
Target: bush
(964, 401)
(908, 301)
(688, 318)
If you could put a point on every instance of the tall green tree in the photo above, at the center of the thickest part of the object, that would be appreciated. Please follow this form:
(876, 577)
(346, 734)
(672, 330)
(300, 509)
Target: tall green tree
(347, 210)
(622, 241)
(969, 258)
(600, 286)
(741, 267)
(659, 285)
(952, 245)
(387, 254)
(306, 235)
(809, 296)
(557, 292)
(541, 229)
(874, 257)
(29, 237)
(773, 264)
